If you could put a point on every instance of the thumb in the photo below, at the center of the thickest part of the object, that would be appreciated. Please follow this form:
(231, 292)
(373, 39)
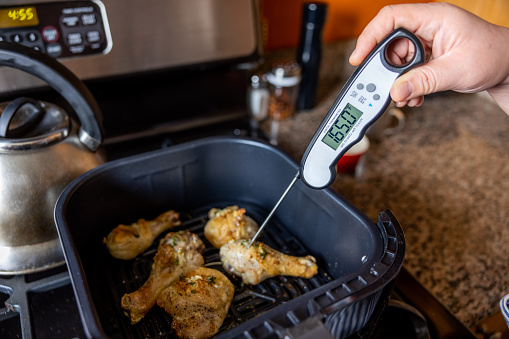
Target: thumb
(410, 85)
(425, 79)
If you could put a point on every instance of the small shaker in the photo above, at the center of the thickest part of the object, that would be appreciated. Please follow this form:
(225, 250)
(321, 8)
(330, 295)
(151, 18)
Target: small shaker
(258, 98)
(284, 80)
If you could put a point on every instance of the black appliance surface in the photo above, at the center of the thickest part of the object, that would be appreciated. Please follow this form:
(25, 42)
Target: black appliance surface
(175, 103)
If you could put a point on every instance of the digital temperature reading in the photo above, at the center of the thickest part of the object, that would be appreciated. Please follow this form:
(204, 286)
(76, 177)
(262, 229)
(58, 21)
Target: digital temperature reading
(344, 123)
(18, 17)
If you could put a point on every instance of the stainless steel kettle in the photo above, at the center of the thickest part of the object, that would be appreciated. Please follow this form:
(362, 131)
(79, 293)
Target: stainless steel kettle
(42, 149)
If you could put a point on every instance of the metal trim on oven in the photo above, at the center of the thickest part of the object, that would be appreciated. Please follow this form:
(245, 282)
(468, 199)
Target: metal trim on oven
(106, 24)
(155, 35)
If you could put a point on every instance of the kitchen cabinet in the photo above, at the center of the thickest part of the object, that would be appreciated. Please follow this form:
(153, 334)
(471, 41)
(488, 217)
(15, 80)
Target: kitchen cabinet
(345, 19)
(494, 11)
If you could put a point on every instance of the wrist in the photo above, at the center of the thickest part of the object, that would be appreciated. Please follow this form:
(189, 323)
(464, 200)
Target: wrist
(500, 94)
(503, 67)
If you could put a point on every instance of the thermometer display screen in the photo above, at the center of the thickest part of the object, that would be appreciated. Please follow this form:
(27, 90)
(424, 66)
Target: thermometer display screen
(343, 124)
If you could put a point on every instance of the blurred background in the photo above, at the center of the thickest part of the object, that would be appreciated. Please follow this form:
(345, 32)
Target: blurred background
(346, 18)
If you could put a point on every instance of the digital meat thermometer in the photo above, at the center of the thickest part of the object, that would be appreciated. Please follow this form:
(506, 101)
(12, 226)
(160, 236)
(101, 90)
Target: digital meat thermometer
(363, 99)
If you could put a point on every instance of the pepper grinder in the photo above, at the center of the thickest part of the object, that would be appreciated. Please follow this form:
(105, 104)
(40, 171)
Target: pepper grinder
(309, 52)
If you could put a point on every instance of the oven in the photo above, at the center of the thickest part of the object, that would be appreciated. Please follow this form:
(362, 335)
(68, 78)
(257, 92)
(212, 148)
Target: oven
(163, 74)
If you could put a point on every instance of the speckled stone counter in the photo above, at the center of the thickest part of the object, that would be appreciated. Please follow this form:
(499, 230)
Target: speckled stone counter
(445, 176)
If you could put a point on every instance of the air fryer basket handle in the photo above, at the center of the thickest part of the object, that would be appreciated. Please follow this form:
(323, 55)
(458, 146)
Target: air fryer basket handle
(311, 328)
(60, 78)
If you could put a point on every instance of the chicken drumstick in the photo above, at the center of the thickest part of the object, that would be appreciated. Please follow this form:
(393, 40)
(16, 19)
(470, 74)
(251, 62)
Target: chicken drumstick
(230, 223)
(127, 241)
(178, 252)
(259, 262)
(198, 302)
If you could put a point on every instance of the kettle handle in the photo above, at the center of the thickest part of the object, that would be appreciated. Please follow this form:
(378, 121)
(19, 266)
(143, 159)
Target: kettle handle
(66, 83)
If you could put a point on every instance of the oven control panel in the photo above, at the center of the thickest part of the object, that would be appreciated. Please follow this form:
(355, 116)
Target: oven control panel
(59, 29)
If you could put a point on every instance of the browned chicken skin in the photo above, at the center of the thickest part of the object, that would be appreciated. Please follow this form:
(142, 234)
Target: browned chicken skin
(127, 241)
(259, 262)
(230, 223)
(198, 302)
(178, 252)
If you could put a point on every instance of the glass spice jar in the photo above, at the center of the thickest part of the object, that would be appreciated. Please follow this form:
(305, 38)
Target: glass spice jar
(284, 79)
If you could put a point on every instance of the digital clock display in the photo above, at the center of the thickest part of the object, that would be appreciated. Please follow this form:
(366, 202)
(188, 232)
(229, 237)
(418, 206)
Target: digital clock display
(18, 17)
(343, 124)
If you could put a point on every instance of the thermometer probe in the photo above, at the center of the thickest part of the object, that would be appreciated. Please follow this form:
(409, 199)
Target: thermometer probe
(363, 99)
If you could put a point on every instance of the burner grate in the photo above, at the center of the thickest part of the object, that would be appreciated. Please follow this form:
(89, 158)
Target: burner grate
(27, 312)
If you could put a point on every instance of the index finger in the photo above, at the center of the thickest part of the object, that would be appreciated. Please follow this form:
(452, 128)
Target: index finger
(409, 16)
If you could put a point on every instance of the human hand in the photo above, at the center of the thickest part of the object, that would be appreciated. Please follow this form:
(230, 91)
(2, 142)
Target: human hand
(466, 53)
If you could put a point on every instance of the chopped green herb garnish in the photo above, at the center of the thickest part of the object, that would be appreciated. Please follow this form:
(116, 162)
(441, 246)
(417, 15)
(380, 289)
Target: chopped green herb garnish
(175, 241)
(176, 262)
(263, 252)
(211, 280)
(194, 291)
(192, 283)
(182, 277)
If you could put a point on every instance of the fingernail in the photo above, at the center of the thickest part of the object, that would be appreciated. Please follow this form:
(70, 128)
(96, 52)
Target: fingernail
(352, 56)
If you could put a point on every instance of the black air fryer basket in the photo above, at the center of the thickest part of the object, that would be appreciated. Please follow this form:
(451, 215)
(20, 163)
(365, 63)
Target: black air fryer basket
(358, 260)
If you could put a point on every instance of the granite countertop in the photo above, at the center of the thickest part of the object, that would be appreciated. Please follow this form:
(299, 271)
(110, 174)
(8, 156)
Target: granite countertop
(445, 176)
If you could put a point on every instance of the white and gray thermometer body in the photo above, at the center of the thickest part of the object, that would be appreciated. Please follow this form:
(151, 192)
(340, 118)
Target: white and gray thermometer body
(363, 99)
